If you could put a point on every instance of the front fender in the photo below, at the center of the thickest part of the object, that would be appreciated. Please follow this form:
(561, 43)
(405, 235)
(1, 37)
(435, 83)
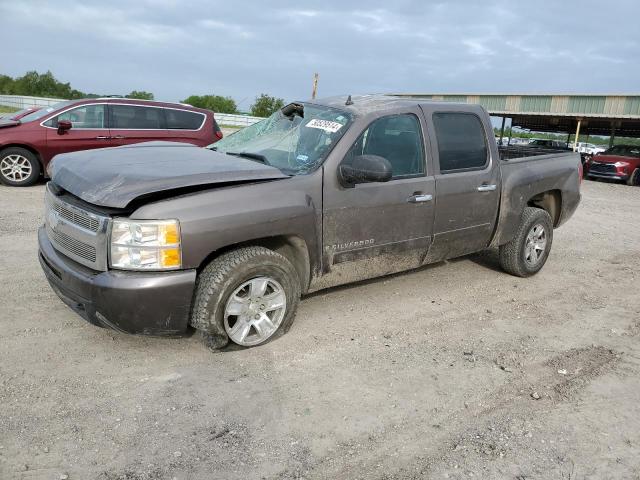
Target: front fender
(215, 219)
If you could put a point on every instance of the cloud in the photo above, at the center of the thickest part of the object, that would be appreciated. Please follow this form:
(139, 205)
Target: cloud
(242, 49)
(226, 28)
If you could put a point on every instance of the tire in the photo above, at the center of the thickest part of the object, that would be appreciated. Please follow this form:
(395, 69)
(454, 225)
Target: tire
(19, 167)
(518, 257)
(242, 273)
(634, 178)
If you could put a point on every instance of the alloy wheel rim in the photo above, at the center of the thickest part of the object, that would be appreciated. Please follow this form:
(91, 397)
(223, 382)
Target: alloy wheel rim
(535, 245)
(16, 168)
(254, 311)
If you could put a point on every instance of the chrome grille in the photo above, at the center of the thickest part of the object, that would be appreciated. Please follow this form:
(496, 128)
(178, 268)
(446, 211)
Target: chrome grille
(75, 232)
(79, 248)
(81, 219)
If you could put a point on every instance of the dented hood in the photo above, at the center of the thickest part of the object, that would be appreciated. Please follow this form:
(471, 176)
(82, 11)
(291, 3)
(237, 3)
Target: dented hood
(114, 177)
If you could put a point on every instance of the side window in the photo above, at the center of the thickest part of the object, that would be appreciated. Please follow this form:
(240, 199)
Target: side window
(461, 142)
(135, 117)
(87, 116)
(183, 119)
(398, 139)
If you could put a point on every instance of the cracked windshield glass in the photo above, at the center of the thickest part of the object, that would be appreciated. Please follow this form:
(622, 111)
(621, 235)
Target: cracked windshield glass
(296, 139)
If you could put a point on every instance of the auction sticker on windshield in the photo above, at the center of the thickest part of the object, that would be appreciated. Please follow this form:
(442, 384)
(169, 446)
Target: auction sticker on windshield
(325, 125)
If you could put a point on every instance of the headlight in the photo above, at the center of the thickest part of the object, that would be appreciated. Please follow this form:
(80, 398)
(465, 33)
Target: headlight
(145, 244)
(621, 164)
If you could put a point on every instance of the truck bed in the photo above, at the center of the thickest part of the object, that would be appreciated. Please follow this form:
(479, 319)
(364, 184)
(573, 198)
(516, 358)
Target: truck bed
(528, 172)
(521, 151)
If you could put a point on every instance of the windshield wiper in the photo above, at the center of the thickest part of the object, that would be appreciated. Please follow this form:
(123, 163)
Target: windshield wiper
(250, 156)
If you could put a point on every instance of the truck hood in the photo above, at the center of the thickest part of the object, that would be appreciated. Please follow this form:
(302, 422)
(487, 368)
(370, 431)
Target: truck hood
(114, 177)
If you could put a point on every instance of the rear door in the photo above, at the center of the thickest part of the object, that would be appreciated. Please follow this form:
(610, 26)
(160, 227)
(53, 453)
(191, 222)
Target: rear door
(88, 130)
(136, 123)
(467, 184)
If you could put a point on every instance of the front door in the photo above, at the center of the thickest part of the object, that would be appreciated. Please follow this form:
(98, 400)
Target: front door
(374, 229)
(88, 130)
(467, 185)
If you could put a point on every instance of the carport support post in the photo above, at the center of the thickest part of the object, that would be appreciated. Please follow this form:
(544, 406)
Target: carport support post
(575, 143)
(502, 129)
(612, 137)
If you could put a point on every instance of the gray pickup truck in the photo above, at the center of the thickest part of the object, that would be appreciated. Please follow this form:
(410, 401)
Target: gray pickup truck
(157, 237)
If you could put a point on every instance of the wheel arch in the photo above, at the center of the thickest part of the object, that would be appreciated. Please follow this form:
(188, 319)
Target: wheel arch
(551, 202)
(292, 247)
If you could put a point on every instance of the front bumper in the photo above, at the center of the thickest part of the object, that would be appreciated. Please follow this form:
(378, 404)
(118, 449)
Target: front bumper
(144, 303)
(610, 176)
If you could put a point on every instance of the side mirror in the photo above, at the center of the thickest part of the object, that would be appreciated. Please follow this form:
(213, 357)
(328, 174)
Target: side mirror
(365, 169)
(63, 126)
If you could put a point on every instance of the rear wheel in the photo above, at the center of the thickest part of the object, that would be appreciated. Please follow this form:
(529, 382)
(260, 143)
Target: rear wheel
(248, 296)
(634, 178)
(18, 167)
(528, 251)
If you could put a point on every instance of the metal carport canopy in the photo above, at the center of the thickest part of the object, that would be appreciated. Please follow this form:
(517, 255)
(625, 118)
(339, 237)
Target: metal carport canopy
(615, 114)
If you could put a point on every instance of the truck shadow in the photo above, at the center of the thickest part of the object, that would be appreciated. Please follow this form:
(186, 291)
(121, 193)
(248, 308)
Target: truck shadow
(487, 258)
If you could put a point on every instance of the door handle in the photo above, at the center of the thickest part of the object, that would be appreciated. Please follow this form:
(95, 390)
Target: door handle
(419, 198)
(102, 137)
(486, 188)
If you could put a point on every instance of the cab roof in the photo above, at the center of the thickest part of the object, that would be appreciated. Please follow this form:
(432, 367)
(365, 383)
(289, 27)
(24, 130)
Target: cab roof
(364, 104)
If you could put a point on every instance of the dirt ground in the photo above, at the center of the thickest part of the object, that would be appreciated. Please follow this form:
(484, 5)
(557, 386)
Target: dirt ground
(453, 371)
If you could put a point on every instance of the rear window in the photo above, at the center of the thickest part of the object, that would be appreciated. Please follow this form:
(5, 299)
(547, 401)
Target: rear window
(461, 142)
(183, 119)
(136, 117)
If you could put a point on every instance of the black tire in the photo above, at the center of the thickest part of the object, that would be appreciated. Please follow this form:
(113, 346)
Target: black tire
(513, 254)
(634, 178)
(7, 177)
(224, 275)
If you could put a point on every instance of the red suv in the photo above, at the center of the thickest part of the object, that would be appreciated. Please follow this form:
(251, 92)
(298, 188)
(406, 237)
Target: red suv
(27, 145)
(621, 162)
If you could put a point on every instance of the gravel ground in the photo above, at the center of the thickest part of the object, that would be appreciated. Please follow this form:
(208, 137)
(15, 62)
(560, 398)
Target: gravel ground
(456, 370)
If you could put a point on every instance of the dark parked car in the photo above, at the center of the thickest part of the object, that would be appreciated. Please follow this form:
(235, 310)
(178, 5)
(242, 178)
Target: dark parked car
(550, 144)
(621, 162)
(29, 143)
(319, 194)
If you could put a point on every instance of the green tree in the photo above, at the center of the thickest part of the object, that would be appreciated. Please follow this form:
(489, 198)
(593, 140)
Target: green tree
(140, 95)
(6, 84)
(215, 103)
(39, 85)
(265, 105)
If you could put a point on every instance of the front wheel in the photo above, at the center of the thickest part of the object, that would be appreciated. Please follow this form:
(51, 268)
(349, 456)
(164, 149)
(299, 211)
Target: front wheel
(634, 178)
(248, 296)
(528, 251)
(18, 167)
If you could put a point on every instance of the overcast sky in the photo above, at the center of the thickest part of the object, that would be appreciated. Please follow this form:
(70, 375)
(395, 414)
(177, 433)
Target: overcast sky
(241, 48)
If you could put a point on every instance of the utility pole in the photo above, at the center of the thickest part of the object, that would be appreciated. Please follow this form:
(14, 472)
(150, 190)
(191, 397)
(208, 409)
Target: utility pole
(575, 143)
(315, 86)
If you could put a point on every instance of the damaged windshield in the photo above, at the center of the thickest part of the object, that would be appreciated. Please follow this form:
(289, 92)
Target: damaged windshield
(295, 139)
